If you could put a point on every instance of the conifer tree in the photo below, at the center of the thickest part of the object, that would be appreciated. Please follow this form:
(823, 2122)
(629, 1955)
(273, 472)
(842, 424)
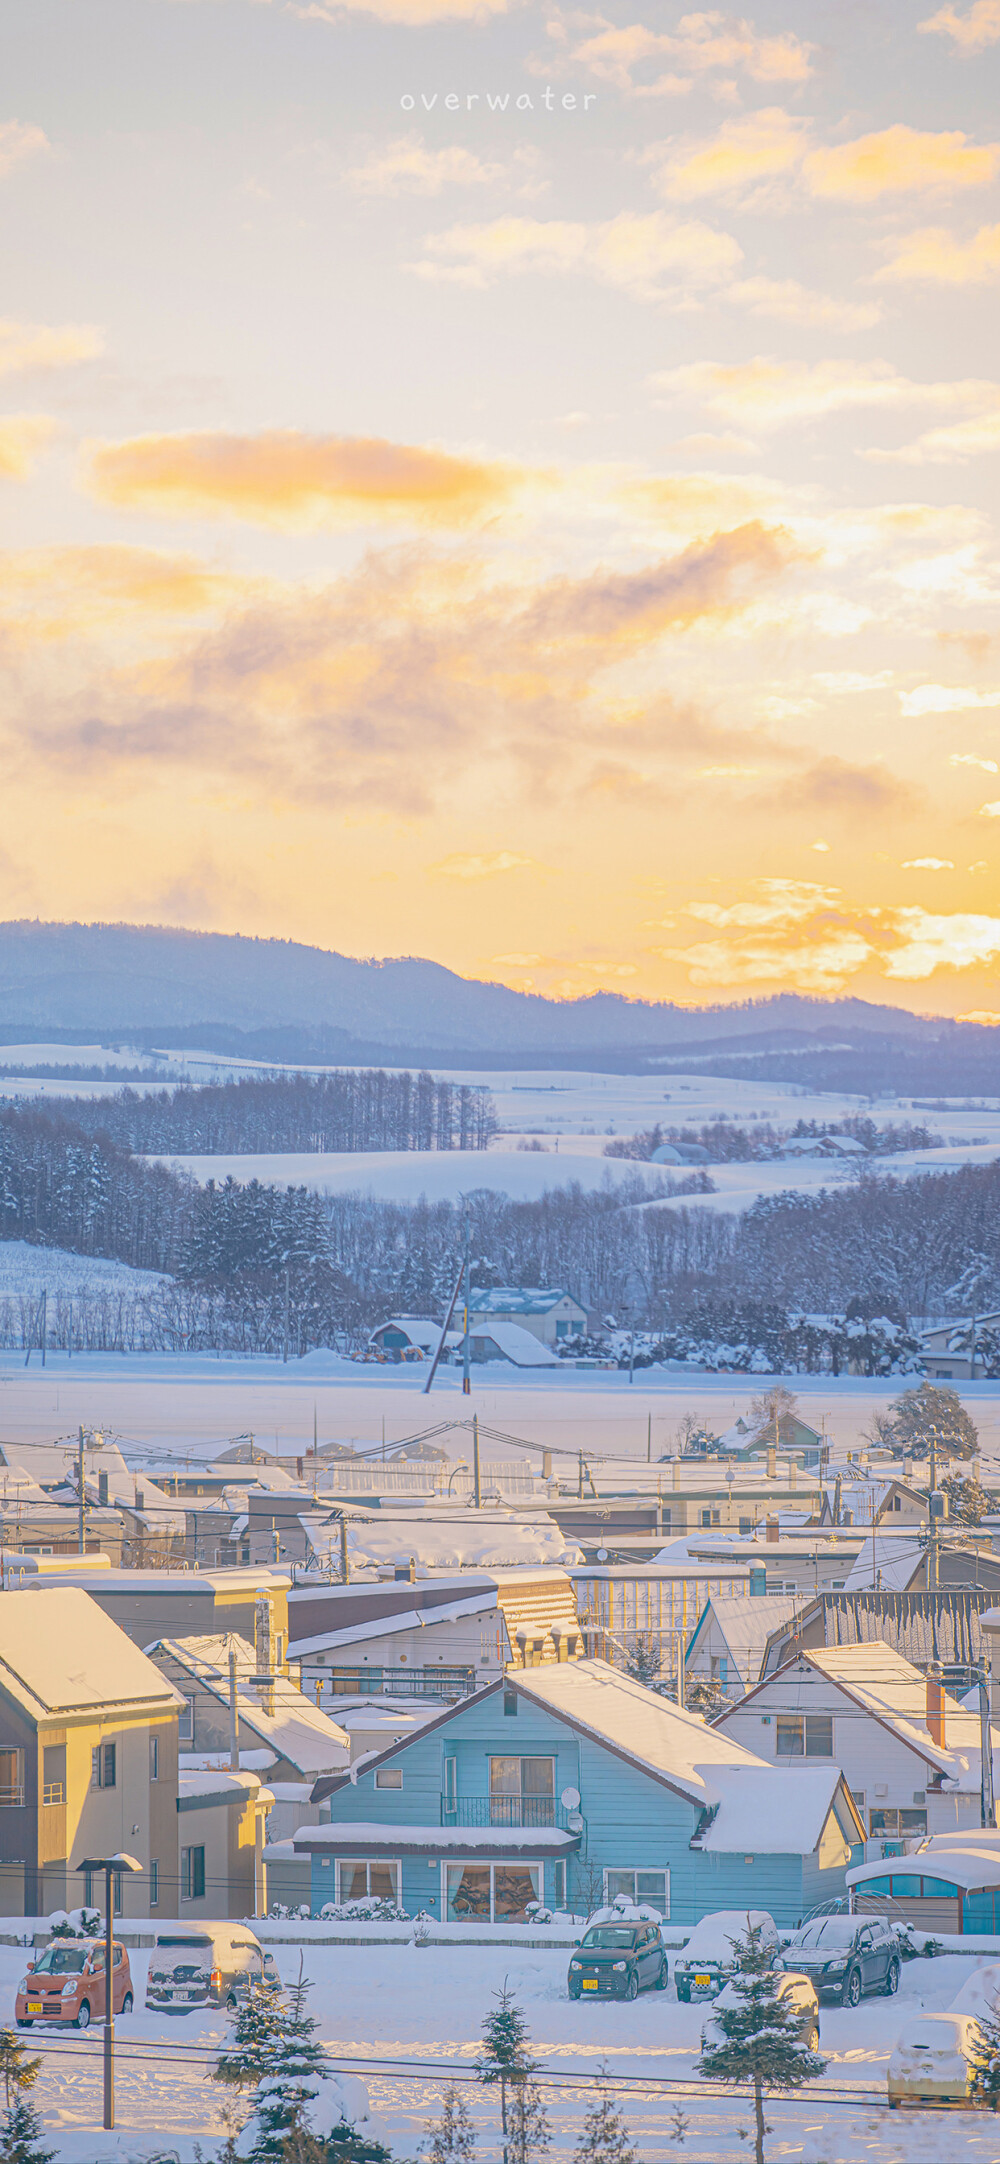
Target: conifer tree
(452, 2138)
(17, 2071)
(605, 2138)
(248, 2056)
(530, 2129)
(289, 2082)
(20, 2135)
(987, 2034)
(506, 2049)
(761, 2040)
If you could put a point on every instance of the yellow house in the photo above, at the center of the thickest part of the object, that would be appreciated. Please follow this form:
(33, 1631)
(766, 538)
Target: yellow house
(88, 1757)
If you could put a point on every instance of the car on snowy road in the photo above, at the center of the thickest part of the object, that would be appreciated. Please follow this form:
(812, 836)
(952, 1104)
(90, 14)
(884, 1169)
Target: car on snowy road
(617, 1961)
(66, 1984)
(938, 2059)
(847, 1957)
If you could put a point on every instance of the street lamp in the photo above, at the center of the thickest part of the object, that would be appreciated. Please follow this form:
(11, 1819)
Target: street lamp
(109, 1865)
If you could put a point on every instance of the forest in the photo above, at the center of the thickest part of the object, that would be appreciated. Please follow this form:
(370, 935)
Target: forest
(807, 1281)
(357, 1109)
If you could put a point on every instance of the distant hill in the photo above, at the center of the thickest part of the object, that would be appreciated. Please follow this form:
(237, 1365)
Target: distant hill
(274, 999)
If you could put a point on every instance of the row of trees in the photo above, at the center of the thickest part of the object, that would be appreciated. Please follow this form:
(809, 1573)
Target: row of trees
(729, 1143)
(357, 1109)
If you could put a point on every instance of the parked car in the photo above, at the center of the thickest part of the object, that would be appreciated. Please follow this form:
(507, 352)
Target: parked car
(937, 2060)
(710, 1954)
(847, 1957)
(271, 1975)
(617, 1961)
(796, 1991)
(67, 1984)
(209, 1965)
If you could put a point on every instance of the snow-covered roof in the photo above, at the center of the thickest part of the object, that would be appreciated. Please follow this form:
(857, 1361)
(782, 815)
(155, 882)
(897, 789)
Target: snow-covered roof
(770, 1811)
(746, 1626)
(519, 1300)
(894, 1691)
(418, 1329)
(403, 1619)
(972, 1862)
(297, 1730)
(60, 1653)
(350, 1835)
(467, 1540)
(672, 1744)
(201, 1784)
(892, 1567)
(517, 1345)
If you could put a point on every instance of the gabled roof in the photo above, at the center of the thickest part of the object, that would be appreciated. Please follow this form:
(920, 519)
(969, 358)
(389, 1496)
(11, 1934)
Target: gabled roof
(675, 1747)
(888, 1560)
(520, 1300)
(746, 1626)
(60, 1653)
(884, 1685)
(773, 1811)
(297, 1730)
(517, 1345)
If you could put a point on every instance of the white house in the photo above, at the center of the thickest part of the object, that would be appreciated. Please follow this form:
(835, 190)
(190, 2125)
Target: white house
(549, 1312)
(909, 1753)
(731, 1639)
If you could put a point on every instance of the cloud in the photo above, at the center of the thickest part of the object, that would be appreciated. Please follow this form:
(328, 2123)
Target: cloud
(989, 811)
(944, 446)
(18, 140)
(755, 148)
(844, 681)
(972, 31)
(23, 437)
(939, 258)
(412, 14)
(51, 593)
(655, 63)
(486, 867)
(899, 161)
(767, 393)
(928, 864)
(790, 302)
(799, 932)
(26, 346)
(972, 758)
(944, 699)
(711, 578)
(406, 167)
(287, 479)
(832, 785)
(645, 256)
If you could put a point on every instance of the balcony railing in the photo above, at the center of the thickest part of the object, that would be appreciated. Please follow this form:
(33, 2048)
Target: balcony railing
(11, 1796)
(54, 1792)
(533, 1811)
(450, 1685)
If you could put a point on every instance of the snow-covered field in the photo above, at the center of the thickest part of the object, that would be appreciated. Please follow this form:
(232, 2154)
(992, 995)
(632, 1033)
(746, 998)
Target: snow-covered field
(440, 1175)
(408, 2017)
(31, 1270)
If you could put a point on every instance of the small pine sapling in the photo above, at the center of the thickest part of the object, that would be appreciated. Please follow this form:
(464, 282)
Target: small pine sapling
(295, 2071)
(987, 2036)
(605, 2136)
(452, 2138)
(761, 2041)
(20, 2135)
(506, 2055)
(680, 2125)
(246, 2058)
(17, 2072)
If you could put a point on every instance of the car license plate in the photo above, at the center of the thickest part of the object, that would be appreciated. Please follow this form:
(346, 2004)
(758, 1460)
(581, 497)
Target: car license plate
(703, 1982)
(35, 2006)
(590, 1983)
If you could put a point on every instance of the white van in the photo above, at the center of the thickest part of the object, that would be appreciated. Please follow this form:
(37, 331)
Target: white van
(208, 1965)
(937, 2060)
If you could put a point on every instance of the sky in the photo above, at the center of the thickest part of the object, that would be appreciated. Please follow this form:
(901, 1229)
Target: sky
(513, 483)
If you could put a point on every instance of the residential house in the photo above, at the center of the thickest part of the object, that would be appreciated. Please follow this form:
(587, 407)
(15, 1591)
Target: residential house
(221, 1828)
(925, 1626)
(731, 1637)
(549, 1313)
(636, 1511)
(150, 1604)
(749, 1438)
(440, 1637)
(949, 1884)
(948, 1347)
(439, 1536)
(872, 1501)
(659, 1604)
(271, 1711)
(909, 1753)
(88, 1756)
(570, 1784)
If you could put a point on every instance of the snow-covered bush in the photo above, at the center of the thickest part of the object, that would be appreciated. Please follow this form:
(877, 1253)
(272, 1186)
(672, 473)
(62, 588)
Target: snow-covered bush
(75, 1923)
(290, 1912)
(538, 1912)
(373, 1910)
(622, 1910)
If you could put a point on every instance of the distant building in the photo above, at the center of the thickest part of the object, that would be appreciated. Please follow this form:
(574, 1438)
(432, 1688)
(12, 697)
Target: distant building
(550, 1313)
(680, 1153)
(438, 1637)
(948, 1347)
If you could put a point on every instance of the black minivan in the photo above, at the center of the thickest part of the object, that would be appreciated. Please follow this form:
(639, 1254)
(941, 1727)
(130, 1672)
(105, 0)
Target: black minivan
(617, 1961)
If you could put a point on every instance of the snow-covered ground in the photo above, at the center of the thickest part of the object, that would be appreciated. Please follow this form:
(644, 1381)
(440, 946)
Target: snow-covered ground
(31, 1270)
(406, 2018)
(440, 1175)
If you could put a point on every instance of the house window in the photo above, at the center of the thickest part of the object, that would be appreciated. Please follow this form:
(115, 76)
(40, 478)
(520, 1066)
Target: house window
(185, 1722)
(510, 1703)
(746, 1525)
(104, 1766)
(154, 1758)
(193, 1874)
(389, 1777)
(706, 1517)
(805, 1735)
(450, 1783)
(491, 1892)
(367, 1879)
(279, 1650)
(892, 1824)
(54, 1773)
(562, 1329)
(522, 1791)
(154, 1882)
(11, 1777)
(651, 1888)
(559, 1882)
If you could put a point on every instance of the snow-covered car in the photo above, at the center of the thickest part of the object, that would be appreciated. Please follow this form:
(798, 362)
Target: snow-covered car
(847, 1957)
(937, 2060)
(271, 1975)
(710, 1954)
(617, 1961)
(66, 1984)
(796, 1991)
(208, 1965)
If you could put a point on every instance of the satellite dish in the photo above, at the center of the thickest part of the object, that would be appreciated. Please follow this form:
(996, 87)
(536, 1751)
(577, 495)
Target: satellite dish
(602, 1555)
(570, 1799)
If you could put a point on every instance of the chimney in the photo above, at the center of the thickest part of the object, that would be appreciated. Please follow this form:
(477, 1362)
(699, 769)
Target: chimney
(546, 1465)
(299, 1469)
(772, 1461)
(935, 1705)
(773, 1531)
(793, 1474)
(906, 1466)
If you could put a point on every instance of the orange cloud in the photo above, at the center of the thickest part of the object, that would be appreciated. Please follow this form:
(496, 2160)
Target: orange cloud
(25, 346)
(285, 479)
(631, 56)
(646, 256)
(794, 931)
(939, 258)
(19, 140)
(23, 437)
(460, 866)
(757, 147)
(899, 161)
(771, 394)
(971, 32)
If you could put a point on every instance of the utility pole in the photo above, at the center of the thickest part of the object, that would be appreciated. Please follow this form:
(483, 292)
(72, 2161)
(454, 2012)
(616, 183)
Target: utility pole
(44, 1319)
(345, 1568)
(476, 1483)
(972, 1362)
(284, 1340)
(631, 1351)
(932, 1513)
(649, 1438)
(234, 1719)
(466, 1377)
(82, 1507)
(987, 1800)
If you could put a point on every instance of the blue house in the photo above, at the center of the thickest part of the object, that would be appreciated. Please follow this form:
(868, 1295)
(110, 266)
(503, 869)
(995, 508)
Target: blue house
(570, 1784)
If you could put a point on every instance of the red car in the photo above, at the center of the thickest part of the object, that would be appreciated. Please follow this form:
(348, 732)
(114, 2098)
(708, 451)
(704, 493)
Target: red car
(66, 1983)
